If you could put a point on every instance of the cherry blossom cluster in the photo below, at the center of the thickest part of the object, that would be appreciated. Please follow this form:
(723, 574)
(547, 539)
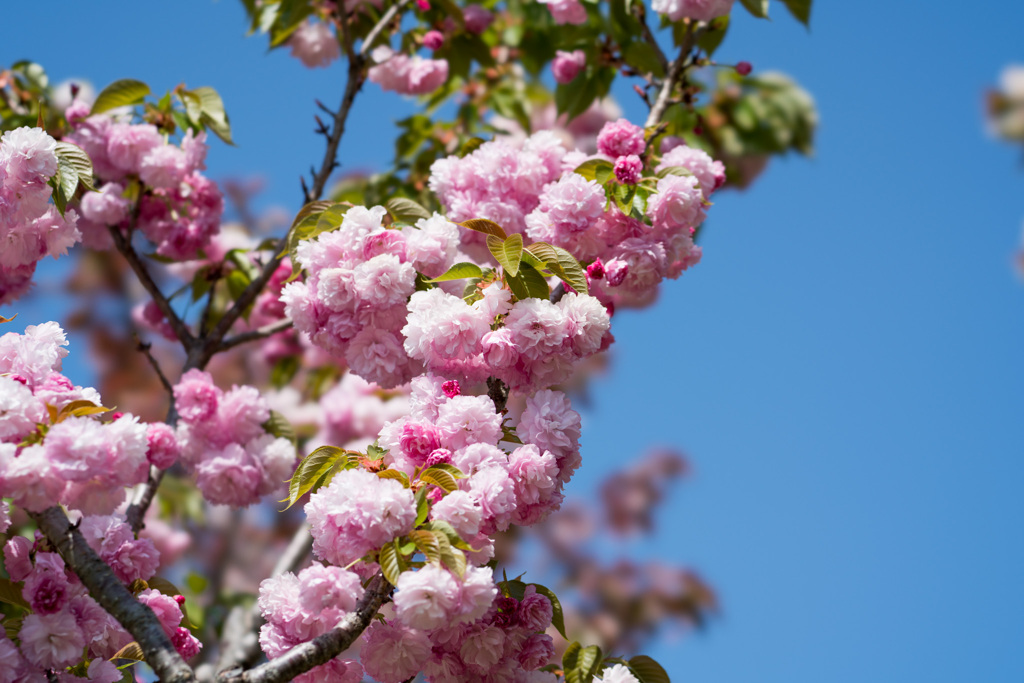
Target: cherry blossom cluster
(65, 621)
(407, 75)
(531, 186)
(359, 277)
(460, 632)
(501, 180)
(30, 226)
(223, 441)
(529, 344)
(179, 211)
(52, 449)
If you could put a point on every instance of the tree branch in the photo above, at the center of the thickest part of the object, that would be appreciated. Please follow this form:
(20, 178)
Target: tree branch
(240, 644)
(673, 77)
(321, 649)
(181, 330)
(253, 335)
(114, 597)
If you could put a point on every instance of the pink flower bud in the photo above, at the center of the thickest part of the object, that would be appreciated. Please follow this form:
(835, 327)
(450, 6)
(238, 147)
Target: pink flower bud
(567, 65)
(744, 68)
(596, 269)
(628, 169)
(423, 5)
(433, 40)
(616, 271)
(451, 388)
(439, 456)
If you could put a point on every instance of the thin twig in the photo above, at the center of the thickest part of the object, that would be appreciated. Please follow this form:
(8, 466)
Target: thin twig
(106, 589)
(146, 348)
(253, 335)
(181, 330)
(672, 78)
(321, 649)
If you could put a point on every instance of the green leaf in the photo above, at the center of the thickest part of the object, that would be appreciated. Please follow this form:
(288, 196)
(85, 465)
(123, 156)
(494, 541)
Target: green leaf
(130, 651)
(392, 564)
(713, 36)
(307, 226)
(67, 182)
(487, 227)
(648, 670)
(404, 210)
(562, 264)
(557, 616)
(458, 272)
(422, 506)
(801, 9)
(507, 252)
(398, 475)
(213, 115)
(10, 593)
(644, 58)
(284, 371)
(595, 169)
(438, 477)
(120, 93)
(451, 557)
(77, 158)
(449, 532)
(279, 426)
(427, 543)
(581, 664)
(312, 469)
(673, 170)
(759, 8)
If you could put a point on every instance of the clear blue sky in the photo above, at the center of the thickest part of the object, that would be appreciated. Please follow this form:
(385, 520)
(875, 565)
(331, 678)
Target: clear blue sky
(844, 368)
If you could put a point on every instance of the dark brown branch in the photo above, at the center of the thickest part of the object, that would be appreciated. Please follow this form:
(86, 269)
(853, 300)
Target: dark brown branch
(254, 335)
(321, 649)
(114, 597)
(136, 512)
(181, 330)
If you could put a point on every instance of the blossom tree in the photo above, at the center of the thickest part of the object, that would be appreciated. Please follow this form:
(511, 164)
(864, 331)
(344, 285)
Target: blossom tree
(405, 351)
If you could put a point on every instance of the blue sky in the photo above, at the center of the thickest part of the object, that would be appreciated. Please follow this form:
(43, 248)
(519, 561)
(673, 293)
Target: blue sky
(844, 368)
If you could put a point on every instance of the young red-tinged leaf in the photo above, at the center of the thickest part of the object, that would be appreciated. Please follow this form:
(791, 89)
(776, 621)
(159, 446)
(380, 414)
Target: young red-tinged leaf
(120, 93)
(485, 226)
(648, 670)
(7, 320)
(458, 272)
